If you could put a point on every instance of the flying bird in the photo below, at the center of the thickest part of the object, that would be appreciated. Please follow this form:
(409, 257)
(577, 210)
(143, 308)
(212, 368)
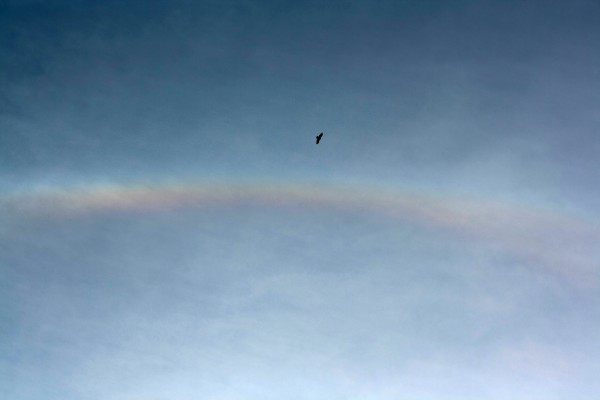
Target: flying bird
(319, 137)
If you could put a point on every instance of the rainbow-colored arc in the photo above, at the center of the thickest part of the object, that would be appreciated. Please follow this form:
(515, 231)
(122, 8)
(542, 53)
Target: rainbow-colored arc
(557, 241)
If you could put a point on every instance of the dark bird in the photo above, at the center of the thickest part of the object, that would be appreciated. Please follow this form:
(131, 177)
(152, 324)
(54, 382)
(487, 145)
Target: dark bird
(319, 137)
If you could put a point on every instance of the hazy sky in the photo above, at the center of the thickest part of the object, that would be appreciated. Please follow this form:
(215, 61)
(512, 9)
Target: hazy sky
(170, 230)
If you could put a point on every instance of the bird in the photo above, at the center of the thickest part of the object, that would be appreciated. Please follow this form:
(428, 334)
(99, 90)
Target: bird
(319, 137)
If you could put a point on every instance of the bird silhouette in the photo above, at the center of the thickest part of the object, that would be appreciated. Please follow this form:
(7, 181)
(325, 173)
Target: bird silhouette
(319, 137)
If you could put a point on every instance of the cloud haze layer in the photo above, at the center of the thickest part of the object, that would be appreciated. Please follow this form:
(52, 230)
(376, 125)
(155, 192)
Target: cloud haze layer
(168, 228)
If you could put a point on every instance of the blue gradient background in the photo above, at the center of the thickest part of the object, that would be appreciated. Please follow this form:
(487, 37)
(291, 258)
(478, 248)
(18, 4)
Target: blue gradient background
(442, 242)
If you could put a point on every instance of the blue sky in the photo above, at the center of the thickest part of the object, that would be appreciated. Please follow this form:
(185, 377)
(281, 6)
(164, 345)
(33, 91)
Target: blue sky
(169, 230)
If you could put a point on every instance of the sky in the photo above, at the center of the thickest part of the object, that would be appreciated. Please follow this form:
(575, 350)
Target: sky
(170, 230)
